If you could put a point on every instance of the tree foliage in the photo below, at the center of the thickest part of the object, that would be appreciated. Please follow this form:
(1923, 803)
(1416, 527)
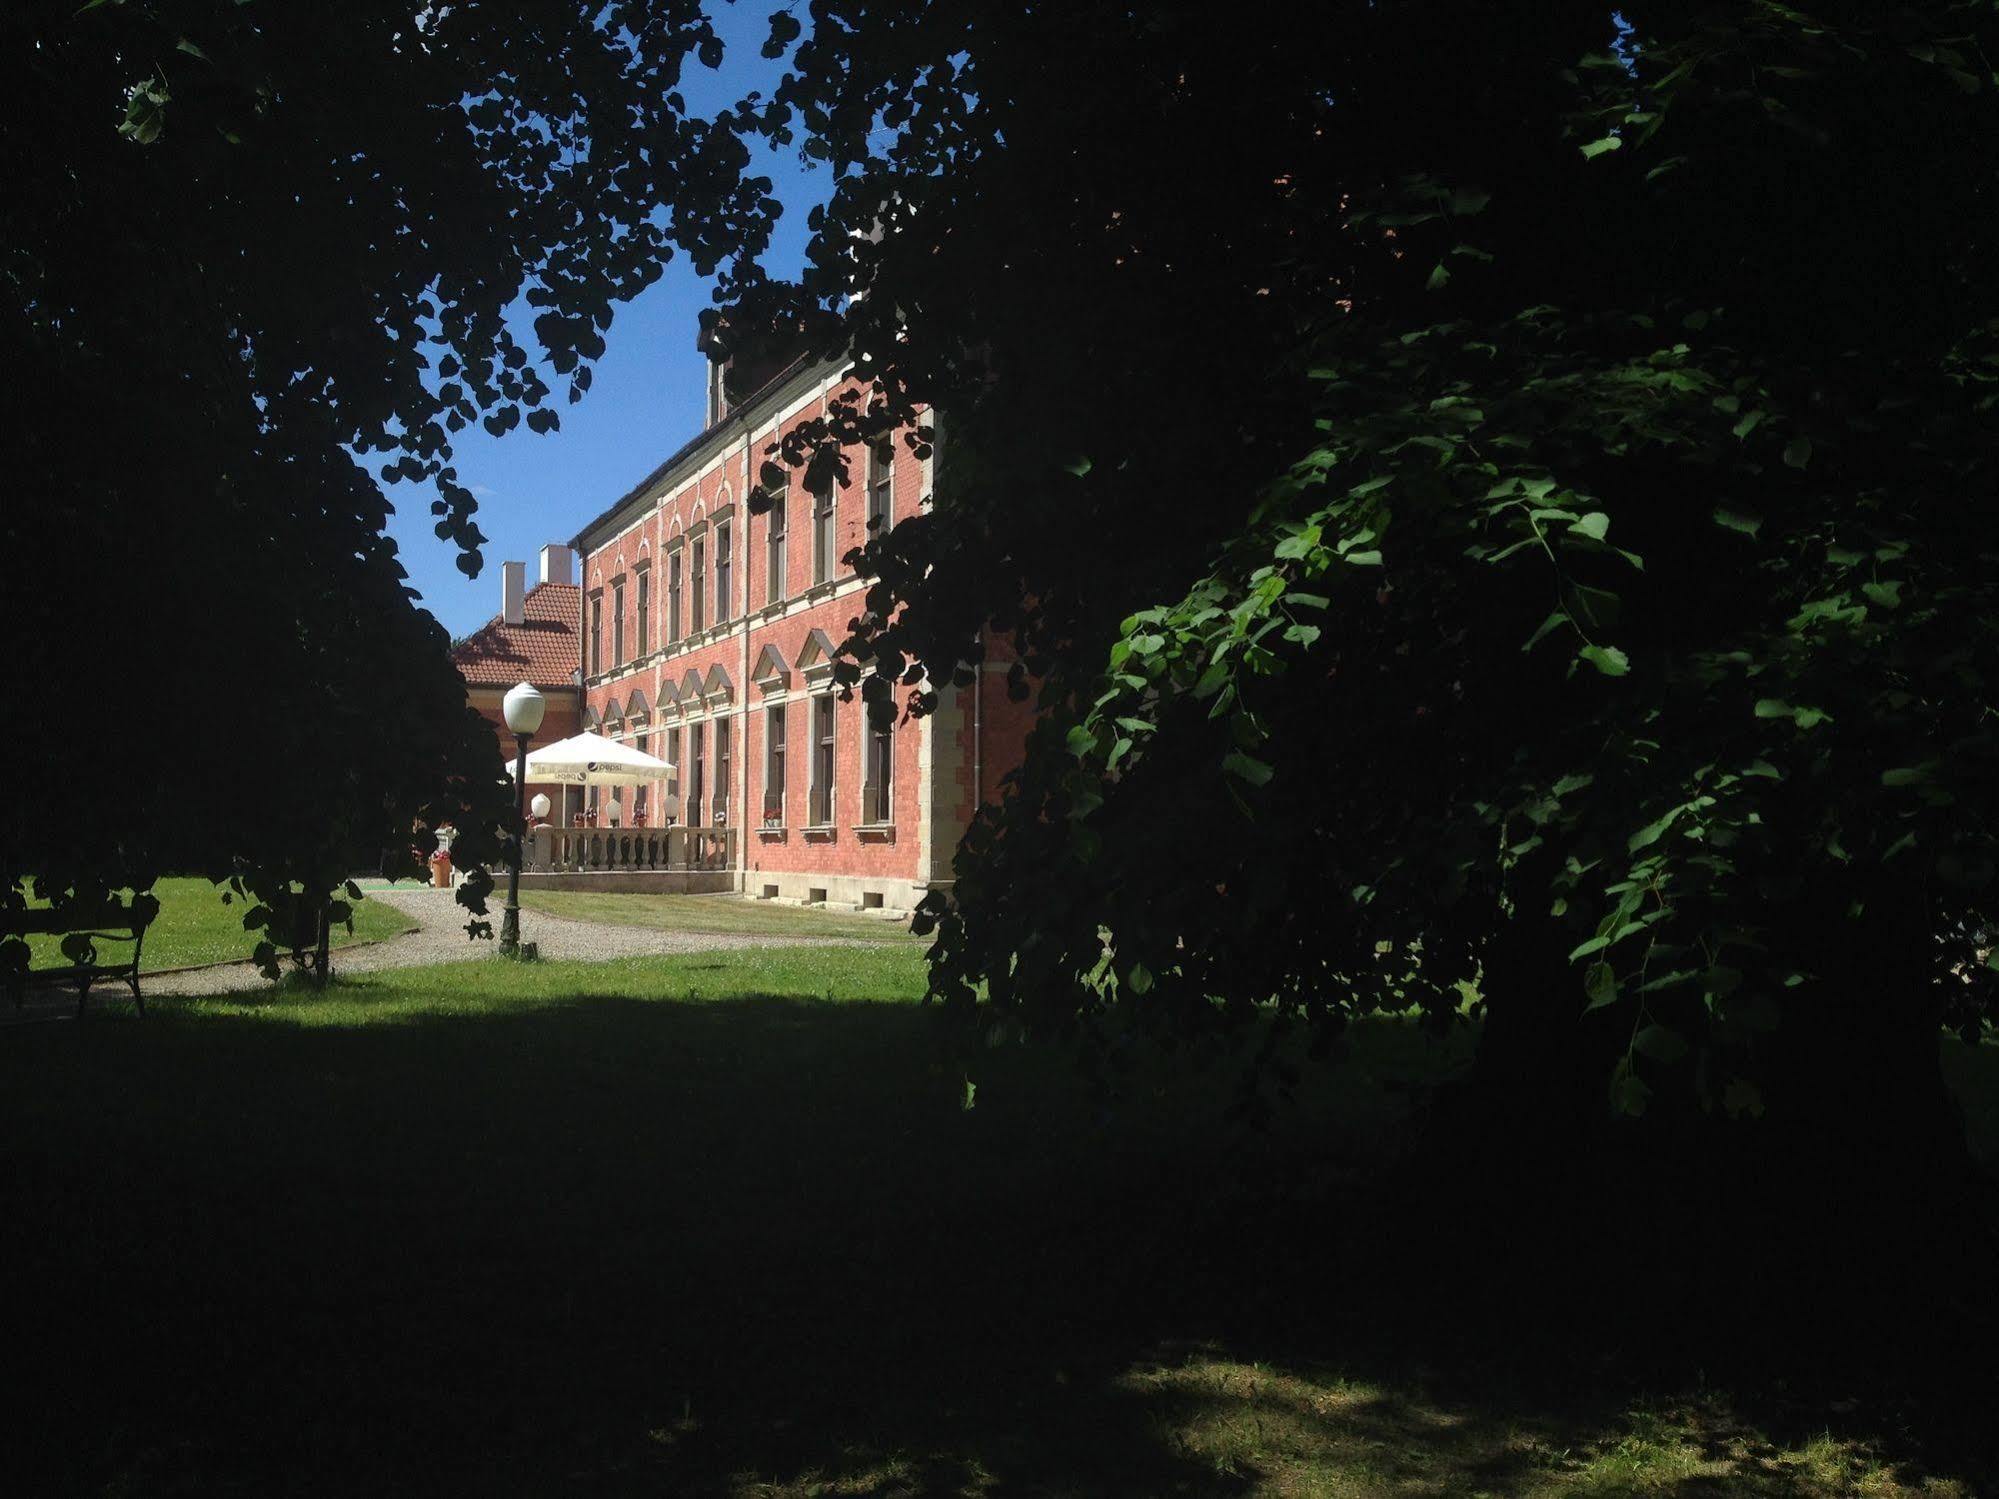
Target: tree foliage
(1493, 500)
(1483, 498)
(253, 248)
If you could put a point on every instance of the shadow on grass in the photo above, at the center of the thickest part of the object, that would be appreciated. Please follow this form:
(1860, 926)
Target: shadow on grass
(756, 1245)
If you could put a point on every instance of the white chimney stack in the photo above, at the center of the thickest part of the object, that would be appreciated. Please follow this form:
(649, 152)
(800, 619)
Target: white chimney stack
(558, 564)
(513, 592)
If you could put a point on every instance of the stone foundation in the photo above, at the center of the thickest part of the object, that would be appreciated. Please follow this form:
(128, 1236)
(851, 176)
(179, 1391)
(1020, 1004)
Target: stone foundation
(876, 897)
(632, 881)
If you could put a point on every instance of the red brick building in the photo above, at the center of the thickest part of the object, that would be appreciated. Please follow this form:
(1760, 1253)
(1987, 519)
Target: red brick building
(707, 640)
(534, 638)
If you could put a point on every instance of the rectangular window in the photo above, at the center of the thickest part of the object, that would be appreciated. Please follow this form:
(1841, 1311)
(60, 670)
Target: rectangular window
(822, 535)
(672, 757)
(774, 554)
(596, 637)
(697, 611)
(878, 774)
(617, 624)
(673, 595)
(645, 611)
(881, 487)
(723, 736)
(822, 761)
(639, 795)
(696, 782)
(723, 579)
(774, 766)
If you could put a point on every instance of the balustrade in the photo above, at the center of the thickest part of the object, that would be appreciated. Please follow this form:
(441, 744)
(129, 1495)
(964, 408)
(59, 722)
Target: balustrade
(563, 850)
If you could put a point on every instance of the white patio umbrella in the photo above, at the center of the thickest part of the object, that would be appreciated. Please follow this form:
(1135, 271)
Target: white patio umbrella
(593, 760)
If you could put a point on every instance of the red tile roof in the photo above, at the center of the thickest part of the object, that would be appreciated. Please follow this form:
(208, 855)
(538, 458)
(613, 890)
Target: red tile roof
(543, 648)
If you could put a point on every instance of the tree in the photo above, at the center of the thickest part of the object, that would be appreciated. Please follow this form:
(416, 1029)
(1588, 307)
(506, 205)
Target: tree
(252, 248)
(1483, 498)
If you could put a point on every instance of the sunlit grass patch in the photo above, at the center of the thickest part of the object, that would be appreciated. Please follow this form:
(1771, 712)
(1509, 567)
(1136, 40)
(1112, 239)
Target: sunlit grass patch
(1275, 1431)
(194, 927)
(884, 973)
(723, 914)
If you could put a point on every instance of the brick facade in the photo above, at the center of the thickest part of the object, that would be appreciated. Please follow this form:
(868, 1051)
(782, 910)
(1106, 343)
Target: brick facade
(765, 647)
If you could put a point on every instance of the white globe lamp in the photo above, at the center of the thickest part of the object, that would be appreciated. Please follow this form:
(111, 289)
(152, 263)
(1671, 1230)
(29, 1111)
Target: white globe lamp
(522, 708)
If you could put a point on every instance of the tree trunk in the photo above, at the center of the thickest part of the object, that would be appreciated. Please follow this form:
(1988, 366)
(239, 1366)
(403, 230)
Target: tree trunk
(321, 958)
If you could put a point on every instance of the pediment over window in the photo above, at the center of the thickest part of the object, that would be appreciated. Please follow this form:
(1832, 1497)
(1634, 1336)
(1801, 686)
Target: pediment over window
(717, 688)
(614, 714)
(690, 689)
(815, 657)
(669, 700)
(592, 719)
(637, 709)
(771, 672)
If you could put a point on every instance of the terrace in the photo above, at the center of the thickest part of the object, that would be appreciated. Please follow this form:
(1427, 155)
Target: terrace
(671, 859)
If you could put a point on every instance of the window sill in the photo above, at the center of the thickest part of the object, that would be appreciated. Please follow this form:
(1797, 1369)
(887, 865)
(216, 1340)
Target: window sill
(774, 835)
(881, 832)
(825, 833)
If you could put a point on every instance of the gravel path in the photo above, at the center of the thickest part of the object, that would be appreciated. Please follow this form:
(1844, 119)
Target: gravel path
(441, 939)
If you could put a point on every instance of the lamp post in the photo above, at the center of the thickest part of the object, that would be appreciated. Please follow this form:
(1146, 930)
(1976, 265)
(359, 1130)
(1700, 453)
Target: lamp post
(522, 708)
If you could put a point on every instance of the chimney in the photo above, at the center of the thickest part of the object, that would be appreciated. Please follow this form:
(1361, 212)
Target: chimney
(513, 591)
(558, 564)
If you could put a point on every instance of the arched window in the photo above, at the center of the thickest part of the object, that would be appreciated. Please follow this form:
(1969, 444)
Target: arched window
(697, 581)
(674, 571)
(881, 487)
(877, 771)
(725, 583)
(823, 541)
(819, 802)
(776, 584)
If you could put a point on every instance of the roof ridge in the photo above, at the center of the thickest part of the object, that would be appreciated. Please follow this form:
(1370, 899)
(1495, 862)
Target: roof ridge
(544, 646)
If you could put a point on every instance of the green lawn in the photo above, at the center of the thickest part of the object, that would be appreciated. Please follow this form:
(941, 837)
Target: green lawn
(722, 1224)
(194, 926)
(715, 913)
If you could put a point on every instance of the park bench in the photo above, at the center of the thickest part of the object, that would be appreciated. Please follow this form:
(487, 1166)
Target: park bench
(82, 928)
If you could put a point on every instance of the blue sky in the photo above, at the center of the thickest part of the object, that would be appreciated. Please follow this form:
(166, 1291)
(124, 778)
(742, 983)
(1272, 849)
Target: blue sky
(645, 398)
